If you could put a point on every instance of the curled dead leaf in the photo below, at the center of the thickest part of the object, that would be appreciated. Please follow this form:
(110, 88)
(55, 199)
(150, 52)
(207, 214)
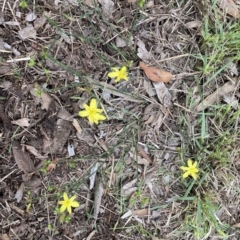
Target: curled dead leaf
(230, 7)
(22, 159)
(4, 237)
(98, 199)
(156, 74)
(22, 122)
(51, 167)
(143, 154)
(215, 96)
(19, 194)
(142, 213)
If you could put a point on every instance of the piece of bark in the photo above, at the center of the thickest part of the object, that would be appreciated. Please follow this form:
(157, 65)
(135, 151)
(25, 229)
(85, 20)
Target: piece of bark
(23, 161)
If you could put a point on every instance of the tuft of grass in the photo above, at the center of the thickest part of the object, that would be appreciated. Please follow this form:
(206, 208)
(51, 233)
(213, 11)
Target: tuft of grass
(220, 42)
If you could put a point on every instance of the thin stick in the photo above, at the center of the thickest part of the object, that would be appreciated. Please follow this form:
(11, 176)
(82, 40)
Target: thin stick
(175, 57)
(13, 14)
(7, 175)
(3, 5)
(18, 60)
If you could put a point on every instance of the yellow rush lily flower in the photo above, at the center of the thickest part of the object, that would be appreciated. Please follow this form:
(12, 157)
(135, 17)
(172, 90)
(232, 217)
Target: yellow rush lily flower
(191, 169)
(68, 203)
(118, 74)
(92, 112)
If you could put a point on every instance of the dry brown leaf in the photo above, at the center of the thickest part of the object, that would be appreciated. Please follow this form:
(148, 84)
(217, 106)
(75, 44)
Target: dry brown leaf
(156, 74)
(89, 3)
(163, 94)
(107, 7)
(52, 165)
(129, 184)
(61, 132)
(143, 53)
(4, 237)
(147, 85)
(77, 126)
(34, 182)
(22, 122)
(143, 154)
(4, 69)
(27, 32)
(142, 213)
(35, 152)
(30, 17)
(97, 199)
(19, 194)
(22, 159)
(143, 161)
(39, 22)
(93, 173)
(212, 98)
(230, 7)
(64, 114)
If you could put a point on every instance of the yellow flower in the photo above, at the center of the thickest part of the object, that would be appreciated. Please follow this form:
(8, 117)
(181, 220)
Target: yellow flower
(119, 74)
(92, 112)
(191, 169)
(68, 203)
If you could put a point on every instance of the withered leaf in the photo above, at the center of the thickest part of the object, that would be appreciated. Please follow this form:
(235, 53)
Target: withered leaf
(156, 74)
(215, 96)
(19, 194)
(27, 32)
(142, 213)
(97, 199)
(22, 159)
(163, 94)
(22, 122)
(34, 182)
(230, 7)
(4, 237)
(5, 69)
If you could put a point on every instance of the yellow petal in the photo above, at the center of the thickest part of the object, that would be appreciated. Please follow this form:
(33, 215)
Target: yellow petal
(65, 196)
(123, 70)
(62, 208)
(186, 174)
(189, 163)
(113, 74)
(93, 103)
(117, 79)
(100, 117)
(195, 164)
(184, 168)
(115, 69)
(69, 209)
(98, 110)
(83, 113)
(75, 204)
(72, 198)
(194, 175)
(91, 119)
(86, 106)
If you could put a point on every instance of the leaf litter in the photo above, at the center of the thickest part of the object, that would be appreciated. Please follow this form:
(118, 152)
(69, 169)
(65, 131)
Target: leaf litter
(135, 150)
